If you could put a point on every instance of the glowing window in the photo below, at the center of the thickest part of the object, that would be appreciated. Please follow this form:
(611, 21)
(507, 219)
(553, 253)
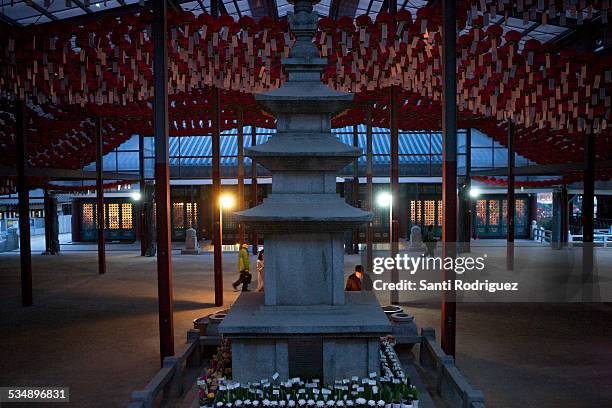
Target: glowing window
(481, 212)
(493, 212)
(126, 216)
(520, 209)
(430, 211)
(113, 216)
(191, 210)
(440, 212)
(178, 213)
(87, 216)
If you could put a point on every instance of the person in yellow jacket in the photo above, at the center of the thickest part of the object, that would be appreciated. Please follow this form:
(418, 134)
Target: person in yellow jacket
(244, 267)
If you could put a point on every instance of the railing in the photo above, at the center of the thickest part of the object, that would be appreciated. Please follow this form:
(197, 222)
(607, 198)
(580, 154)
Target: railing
(178, 374)
(174, 378)
(542, 235)
(451, 385)
(600, 236)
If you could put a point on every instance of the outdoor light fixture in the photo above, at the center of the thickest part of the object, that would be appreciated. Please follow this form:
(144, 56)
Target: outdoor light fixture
(474, 192)
(384, 199)
(226, 201)
(136, 196)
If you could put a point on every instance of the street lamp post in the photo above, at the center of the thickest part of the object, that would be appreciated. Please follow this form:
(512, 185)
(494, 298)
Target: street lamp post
(225, 201)
(385, 199)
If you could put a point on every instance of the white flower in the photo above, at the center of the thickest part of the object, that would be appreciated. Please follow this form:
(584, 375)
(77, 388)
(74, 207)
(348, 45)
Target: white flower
(282, 403)
(301, 402)
(238, 403)
(320, 404)
(371, 403)
(266, 402)
(380, 403)
(228, 405)
(311, 402)
(256, 403)
(340, 403)
(247, 402)
(349, 403)
(219, 404)
(274, 403)
(360, 401)
(291, 403)
(331, 403)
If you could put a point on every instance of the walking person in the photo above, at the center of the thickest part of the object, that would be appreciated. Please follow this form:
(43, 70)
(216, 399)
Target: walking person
(260, 271)
(244, 267)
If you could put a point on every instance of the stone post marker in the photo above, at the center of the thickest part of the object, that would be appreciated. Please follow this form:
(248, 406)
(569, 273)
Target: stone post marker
(304, 324)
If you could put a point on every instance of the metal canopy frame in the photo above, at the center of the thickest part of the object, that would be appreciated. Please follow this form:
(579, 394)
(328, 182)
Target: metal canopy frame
(24, 13)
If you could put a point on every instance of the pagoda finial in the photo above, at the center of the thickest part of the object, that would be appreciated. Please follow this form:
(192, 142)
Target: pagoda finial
(303, 24)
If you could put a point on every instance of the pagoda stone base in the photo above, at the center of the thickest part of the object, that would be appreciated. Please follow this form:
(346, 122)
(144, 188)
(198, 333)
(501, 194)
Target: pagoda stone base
(325, 342)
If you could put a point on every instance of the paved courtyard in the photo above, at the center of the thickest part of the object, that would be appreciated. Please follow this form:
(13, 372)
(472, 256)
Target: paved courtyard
(99, 334)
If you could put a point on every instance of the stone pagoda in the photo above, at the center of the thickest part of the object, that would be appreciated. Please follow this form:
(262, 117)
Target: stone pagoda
(304, 324)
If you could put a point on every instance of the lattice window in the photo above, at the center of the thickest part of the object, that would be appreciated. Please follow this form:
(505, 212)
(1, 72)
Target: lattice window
(126, 216)
(191, 210)
(520, 209)
(113, 216)
(481, 212)
(430, 211)
(440, 212)
(178, 215)
(504, 211)
(87, 216)
(419, 218)
(413, 212)
(493, 212)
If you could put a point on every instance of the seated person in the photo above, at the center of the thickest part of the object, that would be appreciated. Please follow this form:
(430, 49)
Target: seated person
(358, 281)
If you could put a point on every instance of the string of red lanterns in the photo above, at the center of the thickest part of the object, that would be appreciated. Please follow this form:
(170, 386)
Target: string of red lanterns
(104, 69)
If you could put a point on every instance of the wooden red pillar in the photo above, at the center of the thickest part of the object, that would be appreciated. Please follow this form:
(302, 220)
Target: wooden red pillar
(511, 202)
(25, 251)
(588, 215)
(564, 215)
(467, 231)
(369, 191)
(216, 184)
(449, 169)
(355, 188)
(162, 179)
(141, 205)
(100, 219)
(254, 238)
(240, 153)
(394, 175)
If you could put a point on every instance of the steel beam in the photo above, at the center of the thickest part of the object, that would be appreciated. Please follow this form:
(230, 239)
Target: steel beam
(25, 253)
(162, 178)
(510, 201)
(10, 21)
(342, 8)
(82, 6)
(41, 10)
(100, 219)
(543, 169)
(449, 168)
